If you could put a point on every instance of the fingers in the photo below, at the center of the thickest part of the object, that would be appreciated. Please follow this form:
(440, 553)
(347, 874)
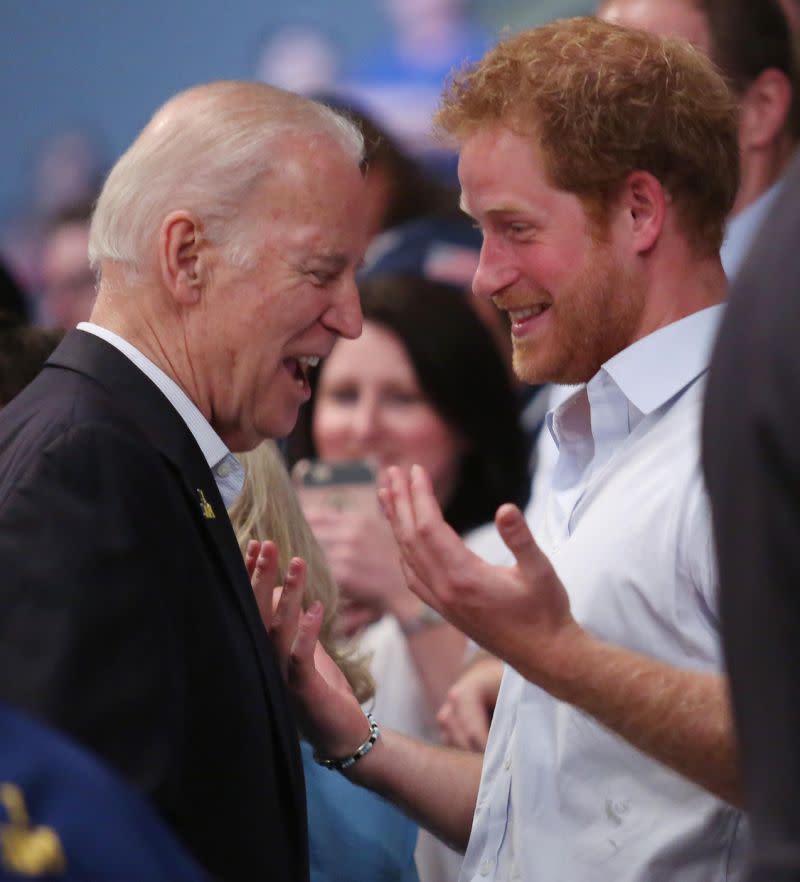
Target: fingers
(465, 727)
(396, 497)
(301, 665)
(250, 555)
(419, 587)
(516, 534)
(433, 555)
(427, 512)
(286, 619)
(261, 560)
(411, 506)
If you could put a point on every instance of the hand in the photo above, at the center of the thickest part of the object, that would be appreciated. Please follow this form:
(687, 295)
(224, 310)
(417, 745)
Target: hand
(466, 714)
(261, 562)
(329, 714)
(520, 613)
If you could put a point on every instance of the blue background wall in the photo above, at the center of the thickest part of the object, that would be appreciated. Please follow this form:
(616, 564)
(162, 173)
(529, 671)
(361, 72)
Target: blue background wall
(107, 64)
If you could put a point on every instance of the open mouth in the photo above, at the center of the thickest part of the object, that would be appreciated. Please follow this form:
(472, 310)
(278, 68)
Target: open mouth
(298, 369)
(522, 320)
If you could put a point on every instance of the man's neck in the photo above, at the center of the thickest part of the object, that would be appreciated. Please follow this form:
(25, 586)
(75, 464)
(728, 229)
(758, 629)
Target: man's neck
(141, 317)
(679, 286)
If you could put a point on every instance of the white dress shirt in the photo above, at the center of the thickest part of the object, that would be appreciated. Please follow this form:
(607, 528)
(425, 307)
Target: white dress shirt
(228, 471)
(627, 527)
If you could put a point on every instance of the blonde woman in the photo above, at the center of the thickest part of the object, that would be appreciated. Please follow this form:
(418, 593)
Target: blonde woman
(353, 834)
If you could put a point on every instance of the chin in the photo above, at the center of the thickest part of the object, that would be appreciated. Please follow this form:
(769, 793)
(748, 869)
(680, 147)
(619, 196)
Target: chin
(564, 372)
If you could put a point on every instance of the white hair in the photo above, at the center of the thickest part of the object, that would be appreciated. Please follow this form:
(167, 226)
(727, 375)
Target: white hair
(204, 151)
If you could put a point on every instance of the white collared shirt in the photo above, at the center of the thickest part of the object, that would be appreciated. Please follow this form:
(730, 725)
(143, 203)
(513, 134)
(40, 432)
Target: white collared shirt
(228, 471)
(627, 527)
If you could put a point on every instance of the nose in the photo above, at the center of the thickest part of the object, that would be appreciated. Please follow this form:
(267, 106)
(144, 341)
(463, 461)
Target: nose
(365, 420)
(344, 316)
(495, 272)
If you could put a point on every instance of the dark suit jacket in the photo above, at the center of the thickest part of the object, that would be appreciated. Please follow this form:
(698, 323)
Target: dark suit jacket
(126, 615)
(751, 453)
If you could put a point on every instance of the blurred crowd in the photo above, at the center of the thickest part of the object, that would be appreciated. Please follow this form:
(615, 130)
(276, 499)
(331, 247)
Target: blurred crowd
(432, 380)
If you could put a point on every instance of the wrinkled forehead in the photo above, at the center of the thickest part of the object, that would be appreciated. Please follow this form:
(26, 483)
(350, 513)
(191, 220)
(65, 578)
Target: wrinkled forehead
(312, 203)
(307, 176)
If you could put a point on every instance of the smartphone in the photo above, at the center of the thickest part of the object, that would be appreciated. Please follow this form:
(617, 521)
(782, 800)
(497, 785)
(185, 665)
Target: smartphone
(342, 486)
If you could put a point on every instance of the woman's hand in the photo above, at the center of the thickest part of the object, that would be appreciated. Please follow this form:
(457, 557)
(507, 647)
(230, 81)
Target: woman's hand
(329, 714)
(466, 713)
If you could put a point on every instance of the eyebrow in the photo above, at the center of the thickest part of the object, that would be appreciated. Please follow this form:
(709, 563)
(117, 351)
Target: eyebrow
(503, 208)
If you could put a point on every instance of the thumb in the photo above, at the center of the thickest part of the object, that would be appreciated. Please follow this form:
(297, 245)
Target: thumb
(516, 534)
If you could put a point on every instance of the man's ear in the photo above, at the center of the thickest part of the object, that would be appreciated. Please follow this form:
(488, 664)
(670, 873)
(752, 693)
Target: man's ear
(180, 259)
(764, 109)
(644, 206)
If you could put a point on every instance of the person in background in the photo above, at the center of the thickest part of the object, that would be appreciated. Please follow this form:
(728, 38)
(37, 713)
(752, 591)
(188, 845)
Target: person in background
(399, 79)
(751, 439)
(399, 188)
(68, 281)
(227, 239)
(12, 297)
(751, 44)
(24, 349)
(791, 9)
(299, 56)
(612, 752)
(424, 383)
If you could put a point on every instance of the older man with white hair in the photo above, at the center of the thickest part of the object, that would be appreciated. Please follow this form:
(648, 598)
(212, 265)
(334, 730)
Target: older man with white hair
(226, 240)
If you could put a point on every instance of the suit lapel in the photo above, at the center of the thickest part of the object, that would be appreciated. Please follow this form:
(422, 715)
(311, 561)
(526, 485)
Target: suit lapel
(150, 411)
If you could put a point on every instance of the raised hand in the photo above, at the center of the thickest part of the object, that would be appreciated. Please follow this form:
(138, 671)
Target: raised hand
(328, 712)
(520, 613)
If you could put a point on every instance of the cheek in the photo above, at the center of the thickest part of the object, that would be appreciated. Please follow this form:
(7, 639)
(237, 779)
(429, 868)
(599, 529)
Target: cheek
(430, 443)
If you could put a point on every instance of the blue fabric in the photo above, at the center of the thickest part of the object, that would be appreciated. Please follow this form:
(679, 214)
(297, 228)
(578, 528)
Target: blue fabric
(354, 835)
(105, 830)
(416, 246)
(388, 65)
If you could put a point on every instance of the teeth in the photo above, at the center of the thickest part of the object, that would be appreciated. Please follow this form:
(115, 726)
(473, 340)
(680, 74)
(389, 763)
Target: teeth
(519, 315)
(309, 360)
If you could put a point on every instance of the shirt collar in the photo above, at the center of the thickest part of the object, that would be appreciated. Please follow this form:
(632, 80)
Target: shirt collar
(654, 369)
(742, 228)
(216, 453)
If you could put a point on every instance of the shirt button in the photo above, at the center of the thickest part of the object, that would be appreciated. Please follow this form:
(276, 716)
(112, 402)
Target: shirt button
(486, 868)
(507, 763)
(224, 470)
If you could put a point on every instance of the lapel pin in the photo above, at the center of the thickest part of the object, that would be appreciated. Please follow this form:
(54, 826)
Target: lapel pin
(205, 506)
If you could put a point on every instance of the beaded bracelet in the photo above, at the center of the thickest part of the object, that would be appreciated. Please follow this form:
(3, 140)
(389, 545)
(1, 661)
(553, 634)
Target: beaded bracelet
(339, 765)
